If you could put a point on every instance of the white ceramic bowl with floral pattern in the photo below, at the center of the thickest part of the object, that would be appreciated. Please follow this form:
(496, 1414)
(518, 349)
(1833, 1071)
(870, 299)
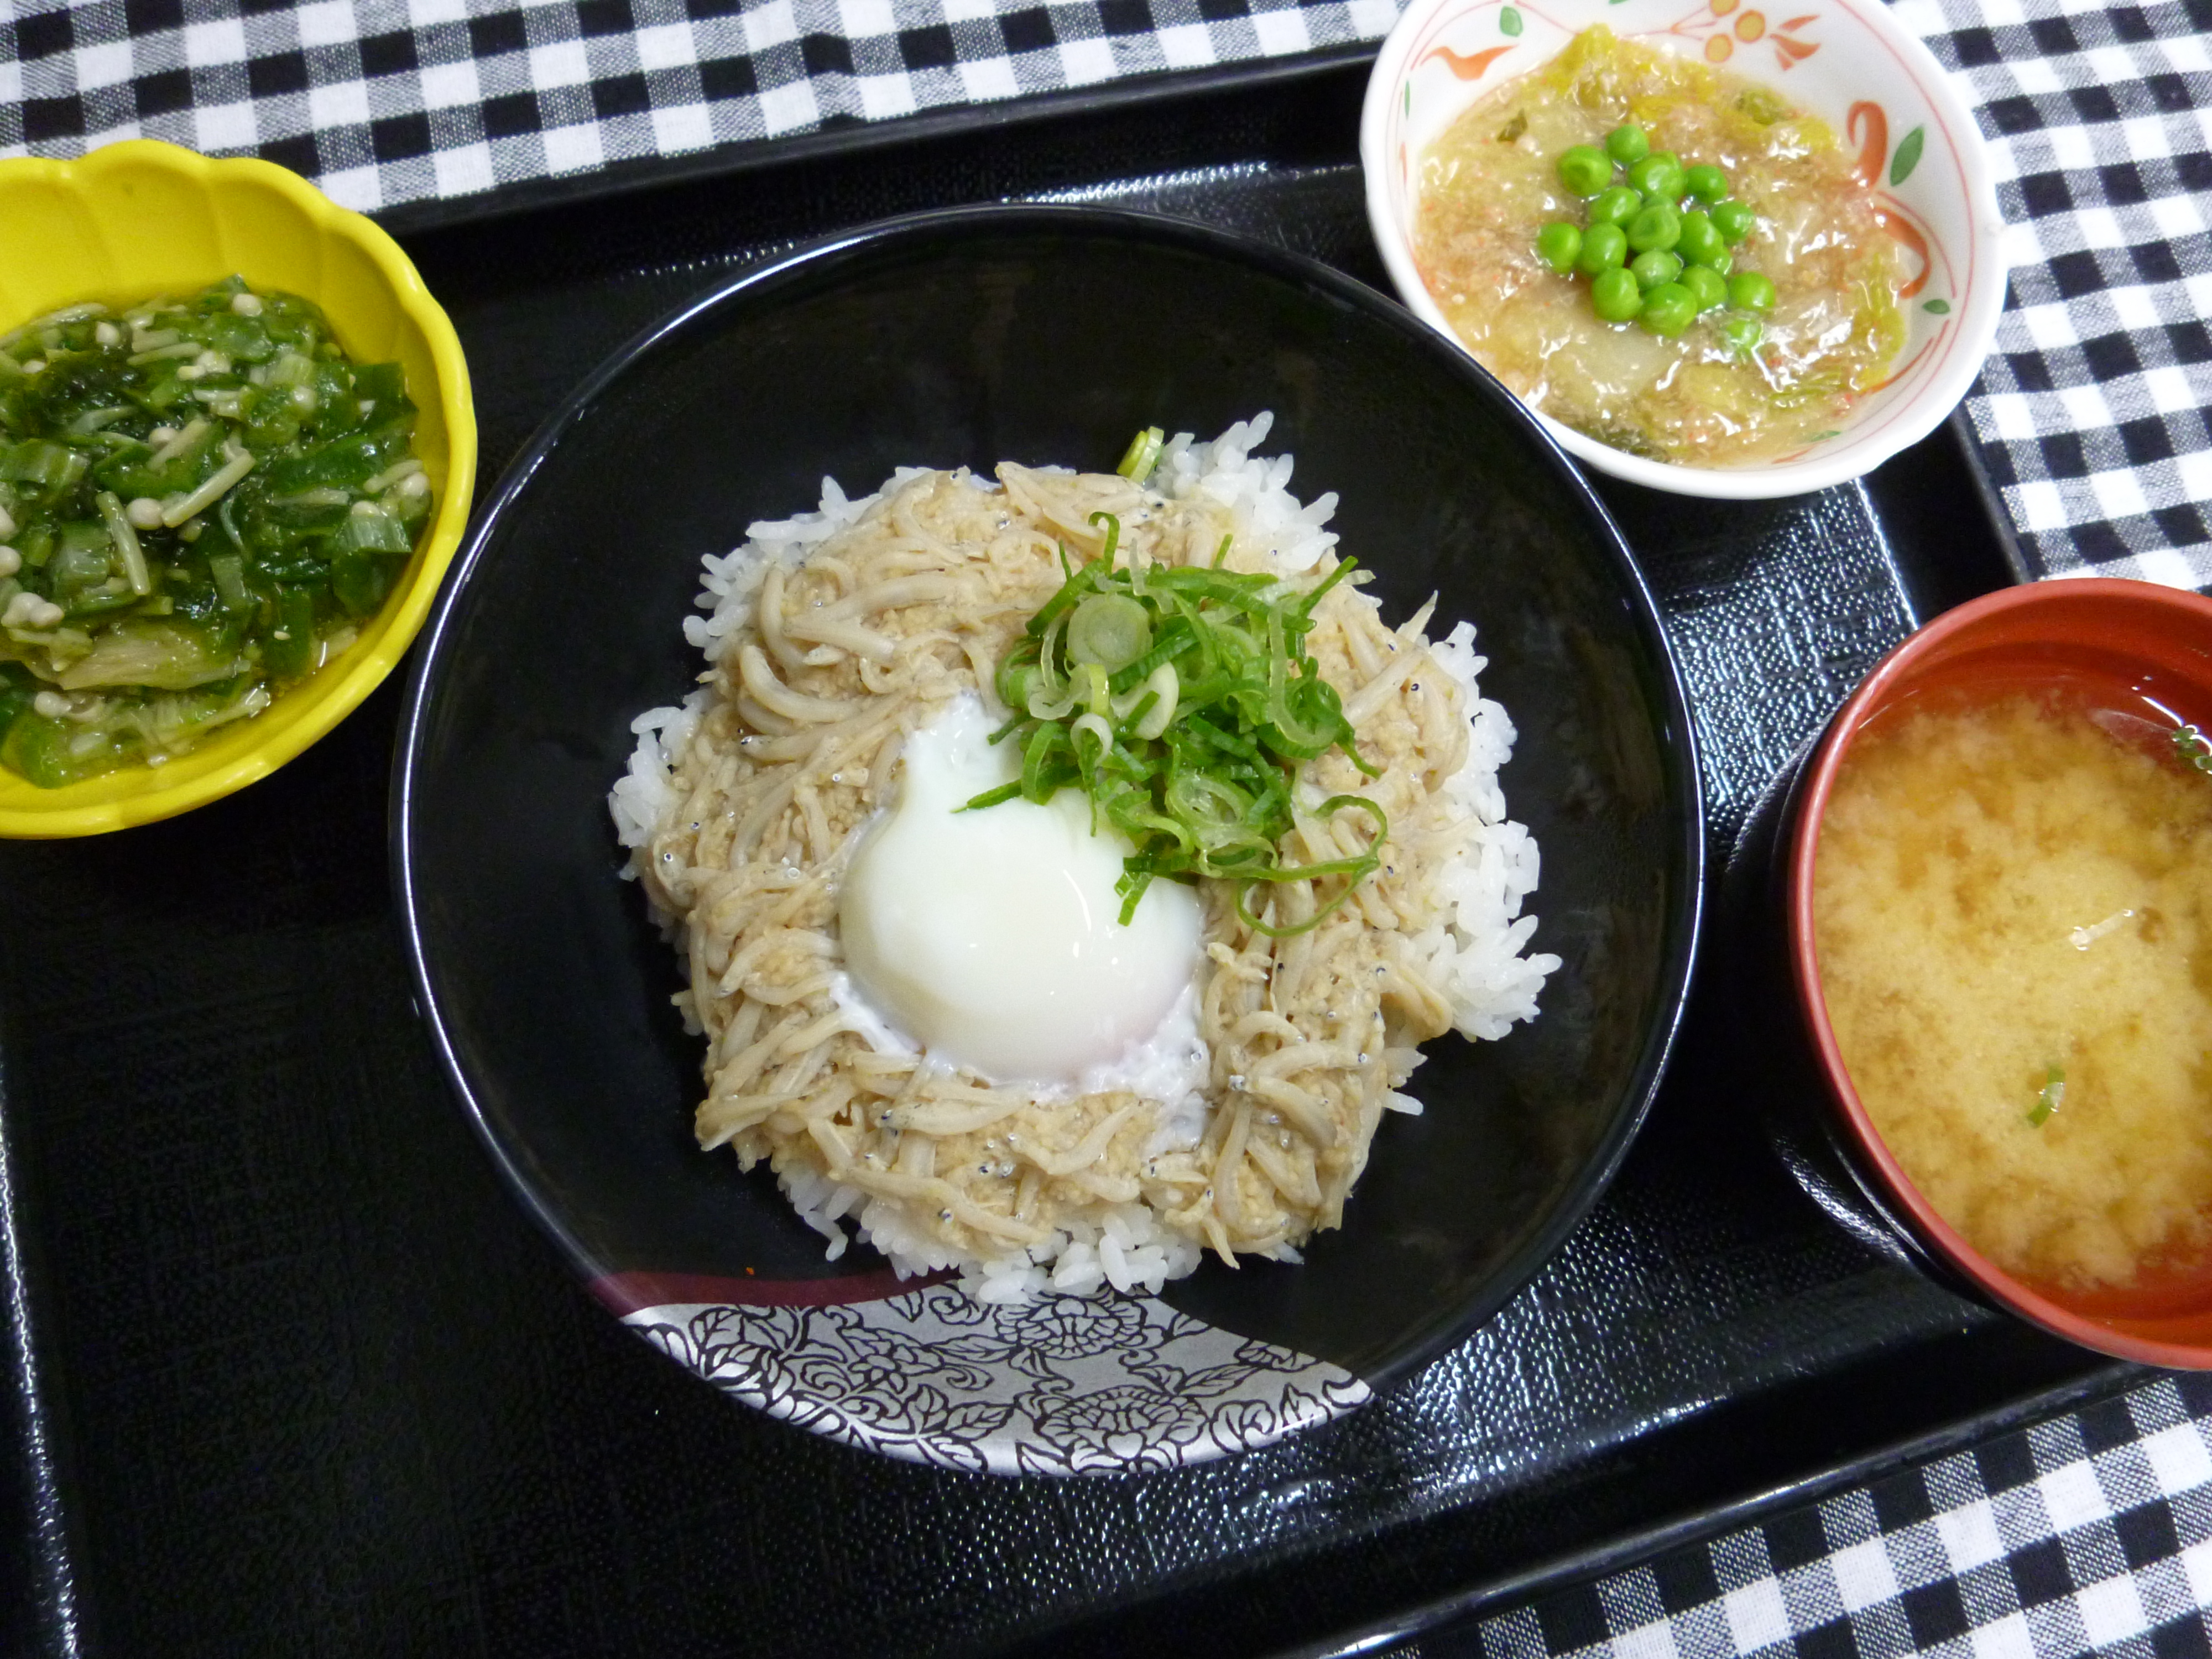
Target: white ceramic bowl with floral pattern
(1848, 62)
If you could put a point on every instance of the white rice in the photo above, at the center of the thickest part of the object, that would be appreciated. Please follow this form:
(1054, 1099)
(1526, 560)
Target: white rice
(1473, 953)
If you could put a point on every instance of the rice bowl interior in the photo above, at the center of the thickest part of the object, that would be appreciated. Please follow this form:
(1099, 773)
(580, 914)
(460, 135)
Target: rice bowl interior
(836, 636)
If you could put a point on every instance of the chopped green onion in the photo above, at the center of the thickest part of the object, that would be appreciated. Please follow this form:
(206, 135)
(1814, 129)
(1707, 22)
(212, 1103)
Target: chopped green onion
(240, 461)
(125, 535)
(2194, 747)
(93, 419)
(1143, 455)
(1093, 727)
(1071, 590)
(374, 531)
(228, 571)
(289, 649)
(1357, 869)
(2047, 1102)
(46, 466)
(1156, 710)
(1182, 701)
(1109, 629)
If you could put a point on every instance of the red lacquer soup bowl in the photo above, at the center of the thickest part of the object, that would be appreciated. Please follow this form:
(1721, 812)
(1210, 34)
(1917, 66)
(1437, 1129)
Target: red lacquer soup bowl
(2133, 649)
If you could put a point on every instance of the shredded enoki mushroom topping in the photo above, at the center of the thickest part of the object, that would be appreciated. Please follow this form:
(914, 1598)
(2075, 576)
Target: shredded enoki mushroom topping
(869, 638)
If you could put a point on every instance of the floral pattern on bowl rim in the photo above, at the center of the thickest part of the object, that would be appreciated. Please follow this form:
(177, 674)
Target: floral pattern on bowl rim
(1932, 184)
(1099, 1384)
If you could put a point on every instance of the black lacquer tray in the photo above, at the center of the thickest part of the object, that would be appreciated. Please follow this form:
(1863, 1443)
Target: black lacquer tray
(293, 1374)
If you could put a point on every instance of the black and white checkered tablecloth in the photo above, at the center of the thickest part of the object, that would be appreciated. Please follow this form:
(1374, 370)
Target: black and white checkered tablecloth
(2088, 1535)
(2091, 413)
(387, 101)
(2090, 417)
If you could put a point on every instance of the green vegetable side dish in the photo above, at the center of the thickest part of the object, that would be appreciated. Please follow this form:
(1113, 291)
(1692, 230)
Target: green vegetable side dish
(1182, 701)
(201, 500)
(1674, 247)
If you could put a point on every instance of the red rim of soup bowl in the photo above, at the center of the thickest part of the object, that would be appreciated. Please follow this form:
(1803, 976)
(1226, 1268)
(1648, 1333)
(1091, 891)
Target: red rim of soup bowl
(2093, 629)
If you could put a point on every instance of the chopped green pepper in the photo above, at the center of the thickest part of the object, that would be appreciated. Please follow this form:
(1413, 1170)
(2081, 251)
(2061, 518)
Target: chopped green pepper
(204, 498)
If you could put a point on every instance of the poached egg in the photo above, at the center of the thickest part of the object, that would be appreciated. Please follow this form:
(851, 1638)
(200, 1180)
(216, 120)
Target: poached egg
(992, 938)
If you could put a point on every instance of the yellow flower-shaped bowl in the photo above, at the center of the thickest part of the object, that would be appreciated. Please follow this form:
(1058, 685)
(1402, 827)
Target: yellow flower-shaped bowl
(140, 218)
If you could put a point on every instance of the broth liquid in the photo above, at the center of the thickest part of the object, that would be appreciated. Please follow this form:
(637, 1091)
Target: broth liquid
(2011, 883)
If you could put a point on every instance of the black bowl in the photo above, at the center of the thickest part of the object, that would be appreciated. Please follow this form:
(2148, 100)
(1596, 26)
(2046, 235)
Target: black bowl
(1042, 335)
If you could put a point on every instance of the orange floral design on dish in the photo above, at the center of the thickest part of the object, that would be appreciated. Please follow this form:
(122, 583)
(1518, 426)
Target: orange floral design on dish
(1719, 38)
(1868, 124)
(1468, 66)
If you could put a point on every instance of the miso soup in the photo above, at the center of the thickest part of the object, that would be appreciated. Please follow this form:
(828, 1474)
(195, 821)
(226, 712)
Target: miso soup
(2012, 918)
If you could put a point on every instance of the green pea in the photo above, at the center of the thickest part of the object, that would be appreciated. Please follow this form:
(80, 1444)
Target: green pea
(1615, 296)
(1749, 291)
(1604, 247)
(1658, 226)
(1616, 205)
(1732, 219)
(1667, 309)
(1585, 169)
(1652, 269)
(1627, 144)
(1707, 183)
(1659, 176)
(1707, 286)
(1701, 242)
(1558, 245)
(1743, 333)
